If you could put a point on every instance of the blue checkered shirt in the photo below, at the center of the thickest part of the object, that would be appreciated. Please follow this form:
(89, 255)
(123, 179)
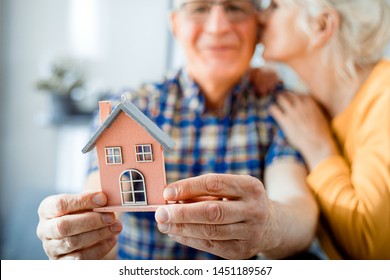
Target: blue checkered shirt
(242, 138)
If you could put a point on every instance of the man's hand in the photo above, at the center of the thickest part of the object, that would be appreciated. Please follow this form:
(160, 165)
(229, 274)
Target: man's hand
(237, 226)
(70, 230)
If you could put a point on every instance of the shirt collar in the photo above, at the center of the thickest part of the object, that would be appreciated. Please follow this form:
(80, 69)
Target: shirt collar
(194, 99)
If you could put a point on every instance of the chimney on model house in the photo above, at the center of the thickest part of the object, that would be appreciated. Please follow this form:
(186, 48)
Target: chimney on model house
(105, 109)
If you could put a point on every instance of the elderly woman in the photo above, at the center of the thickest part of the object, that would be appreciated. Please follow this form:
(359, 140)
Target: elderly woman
(336, 46)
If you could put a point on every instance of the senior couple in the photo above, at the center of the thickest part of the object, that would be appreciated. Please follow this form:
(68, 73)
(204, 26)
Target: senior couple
(290, 168)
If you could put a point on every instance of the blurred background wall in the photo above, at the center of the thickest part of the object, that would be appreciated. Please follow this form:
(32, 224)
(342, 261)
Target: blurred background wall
(116, 43)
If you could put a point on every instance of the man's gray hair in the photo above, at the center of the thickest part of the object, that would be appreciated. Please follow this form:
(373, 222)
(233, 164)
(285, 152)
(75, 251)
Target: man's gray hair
(177, 3)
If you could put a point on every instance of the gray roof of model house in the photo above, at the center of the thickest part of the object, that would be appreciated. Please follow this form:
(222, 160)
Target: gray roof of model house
(133, 112)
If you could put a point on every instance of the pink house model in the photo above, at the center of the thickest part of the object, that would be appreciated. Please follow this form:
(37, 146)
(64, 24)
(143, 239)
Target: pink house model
(130, 149)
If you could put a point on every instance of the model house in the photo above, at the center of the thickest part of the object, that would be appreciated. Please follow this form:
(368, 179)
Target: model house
(130, 149)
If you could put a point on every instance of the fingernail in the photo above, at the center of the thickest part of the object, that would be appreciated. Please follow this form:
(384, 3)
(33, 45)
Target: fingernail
(162, 215)
(116, 227)
(163, 227)
(107, 218)
(170, 193)
(99, 199)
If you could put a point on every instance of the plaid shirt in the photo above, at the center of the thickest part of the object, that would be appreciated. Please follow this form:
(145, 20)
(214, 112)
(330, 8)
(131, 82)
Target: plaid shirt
(242, 138)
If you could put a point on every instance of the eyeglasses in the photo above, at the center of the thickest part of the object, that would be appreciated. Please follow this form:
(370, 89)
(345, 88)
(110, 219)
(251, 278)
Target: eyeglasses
(235, 10)
(265, 4)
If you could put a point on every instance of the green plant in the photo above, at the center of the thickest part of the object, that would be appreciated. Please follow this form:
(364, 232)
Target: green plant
(65, 76)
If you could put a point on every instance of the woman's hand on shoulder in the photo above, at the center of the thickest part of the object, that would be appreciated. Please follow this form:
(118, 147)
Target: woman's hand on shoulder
(305, 125)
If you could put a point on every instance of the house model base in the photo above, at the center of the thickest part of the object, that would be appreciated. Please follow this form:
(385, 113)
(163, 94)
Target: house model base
(132, 208)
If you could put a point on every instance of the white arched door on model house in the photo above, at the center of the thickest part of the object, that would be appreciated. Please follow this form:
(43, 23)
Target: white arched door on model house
(132, 188)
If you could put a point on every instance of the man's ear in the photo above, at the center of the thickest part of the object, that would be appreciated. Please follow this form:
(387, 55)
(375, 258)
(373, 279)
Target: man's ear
(173, 23)
(326, 25)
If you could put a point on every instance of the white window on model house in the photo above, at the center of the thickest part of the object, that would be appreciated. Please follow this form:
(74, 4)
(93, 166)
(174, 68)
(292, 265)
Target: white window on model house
(113, 155)
(143, 153)
(132, 187)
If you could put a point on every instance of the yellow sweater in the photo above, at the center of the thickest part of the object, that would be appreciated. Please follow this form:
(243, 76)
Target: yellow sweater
(353, 189)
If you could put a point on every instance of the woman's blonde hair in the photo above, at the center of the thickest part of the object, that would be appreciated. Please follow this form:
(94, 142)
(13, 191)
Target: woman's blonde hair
(362, 36)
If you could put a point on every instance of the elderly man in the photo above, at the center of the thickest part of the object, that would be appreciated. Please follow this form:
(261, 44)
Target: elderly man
(226, 146)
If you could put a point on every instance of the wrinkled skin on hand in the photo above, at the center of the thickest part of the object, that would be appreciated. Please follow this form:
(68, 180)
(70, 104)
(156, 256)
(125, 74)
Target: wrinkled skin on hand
(237, 226)
(69, 229)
